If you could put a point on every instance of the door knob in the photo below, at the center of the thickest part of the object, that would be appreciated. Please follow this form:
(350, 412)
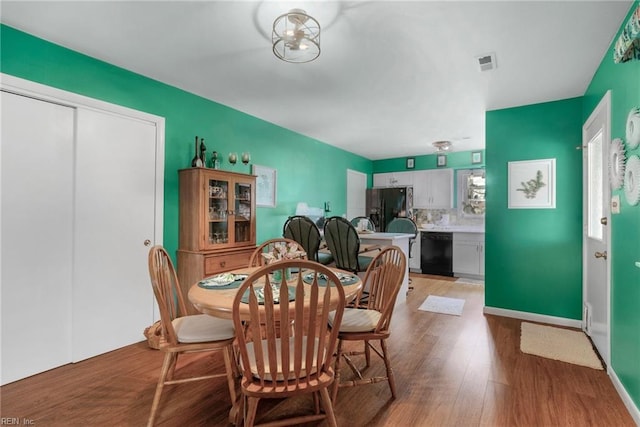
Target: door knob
(147, 242)
(601, 254)
(603, 220)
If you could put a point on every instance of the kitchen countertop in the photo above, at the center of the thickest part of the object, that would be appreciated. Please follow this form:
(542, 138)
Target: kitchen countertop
(453, 229)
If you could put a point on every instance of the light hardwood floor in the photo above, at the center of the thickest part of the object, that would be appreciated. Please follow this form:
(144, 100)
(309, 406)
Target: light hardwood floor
(450, 371)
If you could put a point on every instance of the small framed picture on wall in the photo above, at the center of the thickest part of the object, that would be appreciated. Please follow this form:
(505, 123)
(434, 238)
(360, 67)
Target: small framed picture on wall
(442, 160)
(476, 157)
(411, 163)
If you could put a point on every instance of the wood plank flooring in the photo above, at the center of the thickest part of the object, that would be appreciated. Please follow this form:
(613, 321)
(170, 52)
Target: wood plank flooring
(450, 371)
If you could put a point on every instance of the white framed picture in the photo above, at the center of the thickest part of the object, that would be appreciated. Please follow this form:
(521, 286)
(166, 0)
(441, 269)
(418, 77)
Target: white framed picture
(531, 184)
(476, 157)
(266, 184)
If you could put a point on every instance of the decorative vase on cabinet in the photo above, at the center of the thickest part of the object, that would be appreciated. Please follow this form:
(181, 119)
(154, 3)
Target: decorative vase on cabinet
(217, 231)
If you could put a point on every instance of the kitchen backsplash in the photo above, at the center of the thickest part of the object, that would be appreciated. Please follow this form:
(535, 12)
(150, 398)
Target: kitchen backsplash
(443, 217)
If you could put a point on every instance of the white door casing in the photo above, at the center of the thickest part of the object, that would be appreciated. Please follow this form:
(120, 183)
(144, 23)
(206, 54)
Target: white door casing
(596, 140)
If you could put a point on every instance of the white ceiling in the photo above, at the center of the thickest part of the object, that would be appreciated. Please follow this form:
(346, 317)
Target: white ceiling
(392, 77)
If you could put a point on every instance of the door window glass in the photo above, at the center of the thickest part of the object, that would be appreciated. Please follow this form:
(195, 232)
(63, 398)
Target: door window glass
(595, 229)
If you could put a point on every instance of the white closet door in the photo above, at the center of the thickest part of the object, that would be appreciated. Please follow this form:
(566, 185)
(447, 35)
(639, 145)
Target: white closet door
(115, 199)
(37, 223)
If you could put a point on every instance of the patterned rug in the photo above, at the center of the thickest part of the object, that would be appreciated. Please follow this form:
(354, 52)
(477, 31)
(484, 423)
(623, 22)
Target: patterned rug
(442, 305)
(559, 344)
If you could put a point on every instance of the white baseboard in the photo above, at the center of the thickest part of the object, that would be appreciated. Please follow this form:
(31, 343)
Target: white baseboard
(533, 317)
(626, 399)
(634, 411)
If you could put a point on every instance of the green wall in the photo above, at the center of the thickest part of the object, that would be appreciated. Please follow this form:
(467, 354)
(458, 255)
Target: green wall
(624, 82)
(308, 170)
(533, 256)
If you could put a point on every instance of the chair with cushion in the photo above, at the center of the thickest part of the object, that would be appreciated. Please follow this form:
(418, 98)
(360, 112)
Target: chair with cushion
(368, 224)
(183, 333)
(343, 242)
(304, 231)
(279, 361)
(370, 320)
(404, 225)
(280, 244)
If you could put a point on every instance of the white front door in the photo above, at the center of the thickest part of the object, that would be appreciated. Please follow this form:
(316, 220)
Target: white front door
(596, 231)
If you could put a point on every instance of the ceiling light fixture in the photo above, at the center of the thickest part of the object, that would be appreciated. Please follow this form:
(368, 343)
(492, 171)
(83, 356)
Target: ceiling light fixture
(442, 146)
(296, 37)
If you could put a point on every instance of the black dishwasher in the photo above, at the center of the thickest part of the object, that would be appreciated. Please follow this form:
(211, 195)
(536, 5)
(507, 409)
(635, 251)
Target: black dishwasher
(436, 253)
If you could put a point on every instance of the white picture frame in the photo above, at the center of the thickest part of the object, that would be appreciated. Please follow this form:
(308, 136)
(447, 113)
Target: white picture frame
(532, 184)
(266, 184)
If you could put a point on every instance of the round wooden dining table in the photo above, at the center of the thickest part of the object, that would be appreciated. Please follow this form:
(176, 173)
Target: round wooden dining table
(218, 301)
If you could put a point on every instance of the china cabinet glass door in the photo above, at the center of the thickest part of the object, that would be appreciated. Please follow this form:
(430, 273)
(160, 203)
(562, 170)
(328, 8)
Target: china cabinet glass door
(218, 212)
(242, 212)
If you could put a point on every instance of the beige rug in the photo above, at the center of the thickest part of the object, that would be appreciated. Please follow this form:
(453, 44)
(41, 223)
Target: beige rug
(558, 344)
(470, 281)
(443, 305)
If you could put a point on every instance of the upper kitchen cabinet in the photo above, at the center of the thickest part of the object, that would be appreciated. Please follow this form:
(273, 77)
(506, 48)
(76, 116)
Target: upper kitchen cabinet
(433, 189)
(471, 192)
(393, 179)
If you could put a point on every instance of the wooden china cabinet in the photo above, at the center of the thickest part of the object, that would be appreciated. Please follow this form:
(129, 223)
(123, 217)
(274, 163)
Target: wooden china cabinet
(217, 223)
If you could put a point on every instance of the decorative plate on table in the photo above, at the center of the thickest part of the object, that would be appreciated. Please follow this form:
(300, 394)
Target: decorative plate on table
(632, 180)
(228, 280)
(616, 163)
(291, 291)
(633, 128)
(345, 279)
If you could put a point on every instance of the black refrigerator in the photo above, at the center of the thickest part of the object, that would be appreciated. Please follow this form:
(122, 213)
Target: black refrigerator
(385, 204)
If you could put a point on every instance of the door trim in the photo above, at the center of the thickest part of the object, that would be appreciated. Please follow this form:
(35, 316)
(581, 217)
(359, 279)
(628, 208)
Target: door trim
(605, 103)
(47, 93)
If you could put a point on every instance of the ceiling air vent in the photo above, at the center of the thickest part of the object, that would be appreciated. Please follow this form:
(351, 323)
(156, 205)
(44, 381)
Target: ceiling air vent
(487, 61)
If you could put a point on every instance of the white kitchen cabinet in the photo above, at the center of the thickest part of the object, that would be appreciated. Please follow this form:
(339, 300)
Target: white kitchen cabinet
(468, 254)
(393, 179)
(433, 189)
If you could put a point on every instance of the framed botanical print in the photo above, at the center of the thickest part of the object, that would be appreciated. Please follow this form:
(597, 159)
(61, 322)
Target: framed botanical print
(532, 184)
(265, 186)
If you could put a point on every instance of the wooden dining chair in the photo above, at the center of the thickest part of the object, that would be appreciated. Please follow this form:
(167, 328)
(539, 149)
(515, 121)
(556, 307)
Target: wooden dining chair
(258, 260)
(304, 231)
(370, 320)
(296, 359)
(185, 333)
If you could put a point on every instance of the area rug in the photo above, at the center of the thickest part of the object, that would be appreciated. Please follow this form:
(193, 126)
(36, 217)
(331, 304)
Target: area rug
(559, 344)
(443, 305)
(470, 281)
